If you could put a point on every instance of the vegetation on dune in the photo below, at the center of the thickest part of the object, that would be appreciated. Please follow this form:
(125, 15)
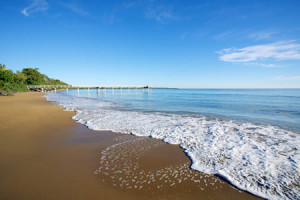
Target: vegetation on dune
(16, 82)
(34, 77)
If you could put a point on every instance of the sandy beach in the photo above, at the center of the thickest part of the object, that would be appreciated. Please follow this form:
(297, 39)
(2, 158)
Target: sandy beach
(44, 154)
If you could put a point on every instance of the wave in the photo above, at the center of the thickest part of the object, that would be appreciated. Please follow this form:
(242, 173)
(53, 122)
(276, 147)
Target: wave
(263, 160)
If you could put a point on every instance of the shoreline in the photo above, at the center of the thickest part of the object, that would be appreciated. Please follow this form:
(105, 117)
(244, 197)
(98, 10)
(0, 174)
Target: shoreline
(46, 154)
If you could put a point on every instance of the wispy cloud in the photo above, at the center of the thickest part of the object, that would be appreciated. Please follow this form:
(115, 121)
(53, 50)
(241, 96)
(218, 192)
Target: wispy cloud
(131, 4)
(159, 13)
(261, 64)
(287, 78)
(35, 6)
(284, 50)
(184, 35)
(228, 35)
(261, 35)
(154, 10)
(74, 7)
(245, 34)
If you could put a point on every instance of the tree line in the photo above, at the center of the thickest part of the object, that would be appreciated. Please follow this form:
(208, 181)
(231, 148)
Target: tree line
(16, 82)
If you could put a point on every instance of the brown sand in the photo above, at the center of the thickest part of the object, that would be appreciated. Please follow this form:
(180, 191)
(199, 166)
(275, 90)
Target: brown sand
(44, 154)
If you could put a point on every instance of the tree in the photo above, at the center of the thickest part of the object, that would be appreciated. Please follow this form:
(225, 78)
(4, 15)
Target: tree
(6, 75)
(20, 77)
(13, 82)
(34, 77)
(2, 67)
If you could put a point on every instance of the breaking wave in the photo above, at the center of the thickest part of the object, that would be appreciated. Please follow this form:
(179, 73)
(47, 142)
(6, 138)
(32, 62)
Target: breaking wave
(263, 160)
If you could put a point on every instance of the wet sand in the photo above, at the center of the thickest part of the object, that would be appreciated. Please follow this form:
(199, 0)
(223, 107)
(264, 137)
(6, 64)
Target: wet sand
(44, 154)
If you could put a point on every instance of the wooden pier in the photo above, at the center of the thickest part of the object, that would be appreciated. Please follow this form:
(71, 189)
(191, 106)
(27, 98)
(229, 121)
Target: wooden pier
(42, 88)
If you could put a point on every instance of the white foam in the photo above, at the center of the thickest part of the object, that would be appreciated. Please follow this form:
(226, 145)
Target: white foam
(263, 160)
(78, 103)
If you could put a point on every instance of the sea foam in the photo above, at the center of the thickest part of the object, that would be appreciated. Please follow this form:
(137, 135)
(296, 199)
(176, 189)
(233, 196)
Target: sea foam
(263, 160)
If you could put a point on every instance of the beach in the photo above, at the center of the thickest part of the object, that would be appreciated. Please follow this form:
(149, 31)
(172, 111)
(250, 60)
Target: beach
(44, 154)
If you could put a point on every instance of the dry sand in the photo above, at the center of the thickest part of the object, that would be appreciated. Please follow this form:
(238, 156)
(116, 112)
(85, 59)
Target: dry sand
(44, 154)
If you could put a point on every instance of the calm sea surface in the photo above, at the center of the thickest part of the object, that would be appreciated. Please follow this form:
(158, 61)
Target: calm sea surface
(280, 107)
(248, 136)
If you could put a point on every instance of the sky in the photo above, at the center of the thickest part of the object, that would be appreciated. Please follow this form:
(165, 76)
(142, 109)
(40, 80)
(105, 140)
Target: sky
(166, 43)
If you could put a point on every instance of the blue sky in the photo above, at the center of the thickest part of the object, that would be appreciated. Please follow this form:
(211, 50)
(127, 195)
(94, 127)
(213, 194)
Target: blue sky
(176, 43)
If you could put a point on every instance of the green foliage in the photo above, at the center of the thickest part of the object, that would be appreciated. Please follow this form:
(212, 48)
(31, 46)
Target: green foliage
(34, 77)
(16, 82)
(20, 77)
(2, 67)
(14, 87)
(7, 76)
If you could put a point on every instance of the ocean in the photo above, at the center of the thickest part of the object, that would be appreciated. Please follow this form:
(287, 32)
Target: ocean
(250, 137)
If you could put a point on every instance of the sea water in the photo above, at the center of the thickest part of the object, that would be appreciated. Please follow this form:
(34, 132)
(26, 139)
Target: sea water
(250, 137)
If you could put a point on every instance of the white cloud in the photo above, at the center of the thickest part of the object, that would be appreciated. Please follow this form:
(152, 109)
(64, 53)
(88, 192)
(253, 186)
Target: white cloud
(287, 78)
(284, 50)
(131, 4)
(159, 13)
(262, 35)
(152, 9)
(35, 6)
(261, 64)
(76, 9)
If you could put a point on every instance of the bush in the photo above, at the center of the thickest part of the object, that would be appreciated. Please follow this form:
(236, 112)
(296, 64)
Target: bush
(16, 82)
(14, 87)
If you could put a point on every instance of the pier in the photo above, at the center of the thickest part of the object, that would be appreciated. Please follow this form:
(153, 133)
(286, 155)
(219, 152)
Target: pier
(42, 88)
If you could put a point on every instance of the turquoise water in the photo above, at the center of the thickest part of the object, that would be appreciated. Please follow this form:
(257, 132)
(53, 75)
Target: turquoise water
(280, 107)
(248, 136)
